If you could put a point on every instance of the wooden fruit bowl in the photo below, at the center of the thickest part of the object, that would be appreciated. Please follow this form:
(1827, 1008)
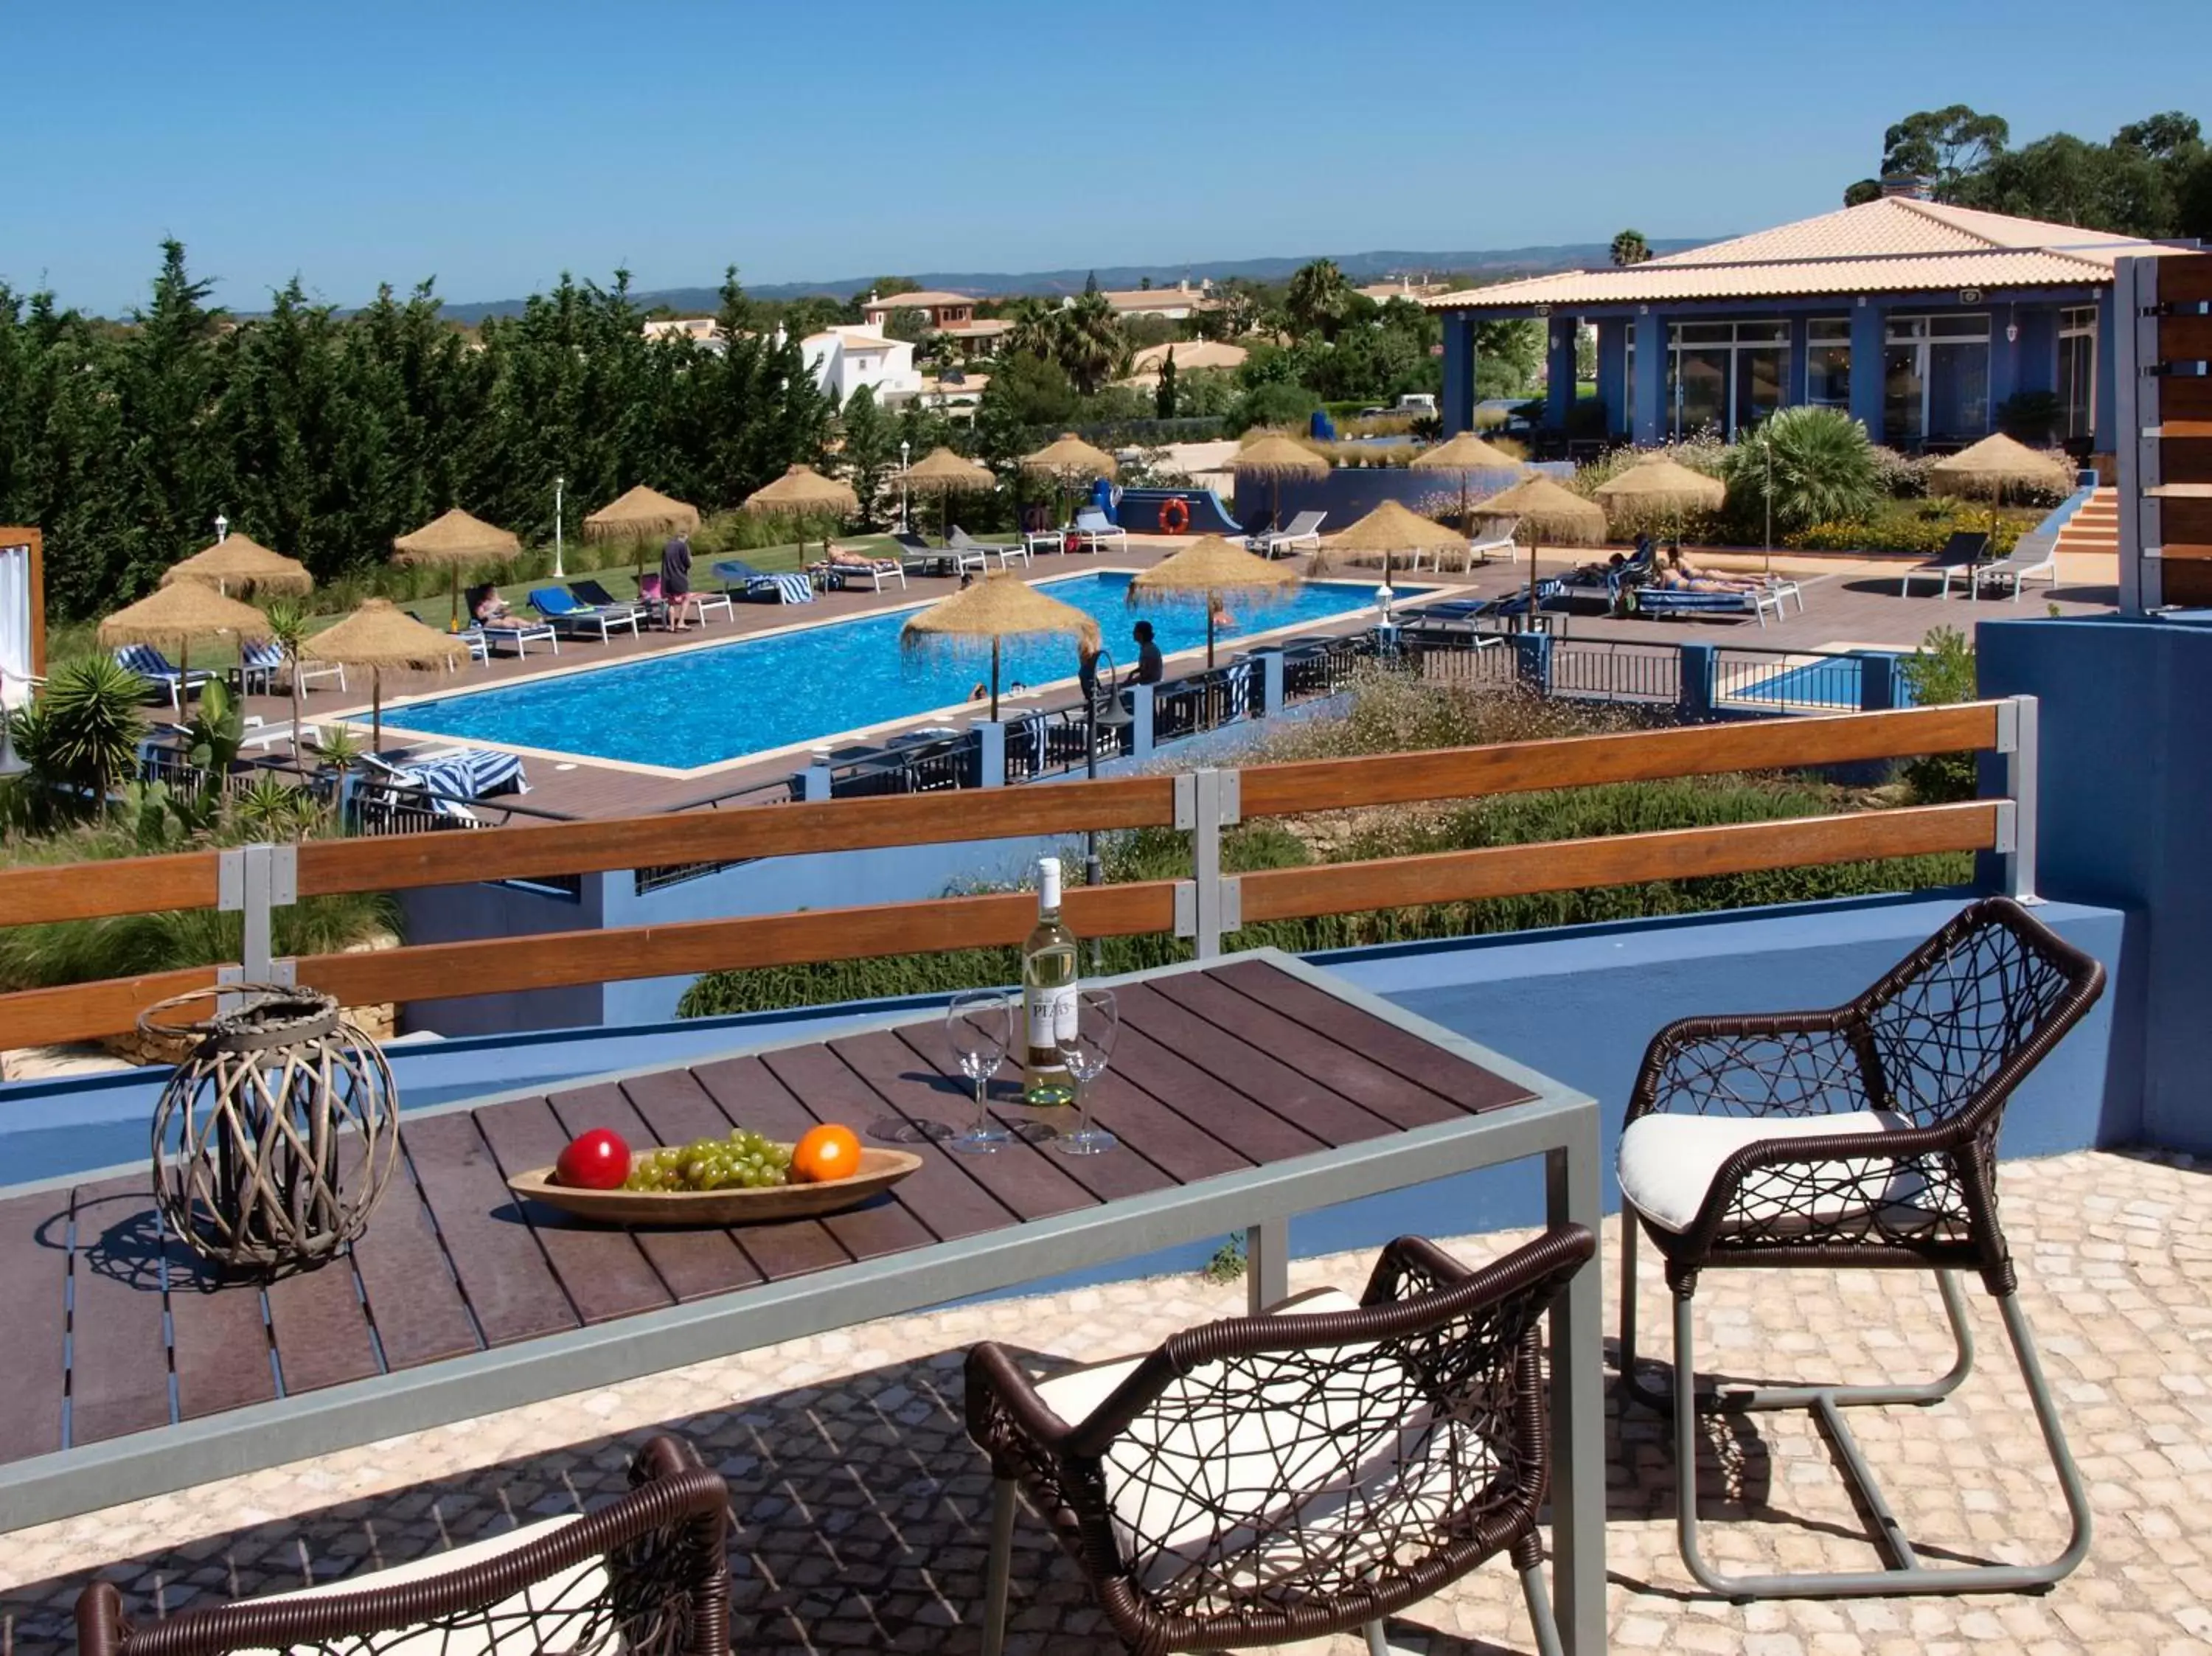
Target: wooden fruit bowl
(878, 1171)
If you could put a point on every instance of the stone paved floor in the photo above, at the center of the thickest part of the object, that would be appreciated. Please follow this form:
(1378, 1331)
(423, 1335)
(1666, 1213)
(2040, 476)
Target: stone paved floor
(860, 1506)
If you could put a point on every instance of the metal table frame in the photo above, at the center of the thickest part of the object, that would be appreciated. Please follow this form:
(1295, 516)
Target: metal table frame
(1558, 1124)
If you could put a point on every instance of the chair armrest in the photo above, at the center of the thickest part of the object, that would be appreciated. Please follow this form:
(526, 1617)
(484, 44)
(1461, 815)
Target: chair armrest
(1005, 1415)
(1796, 1063)
(1874, 1159)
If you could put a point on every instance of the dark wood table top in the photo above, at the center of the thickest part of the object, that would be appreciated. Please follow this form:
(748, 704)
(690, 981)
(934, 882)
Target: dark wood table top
(113, 1330)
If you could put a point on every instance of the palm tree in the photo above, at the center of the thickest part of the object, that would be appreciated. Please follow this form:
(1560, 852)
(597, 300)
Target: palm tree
(1091, 347)
(1629, 247)
(1035, 330)
(1319, 298)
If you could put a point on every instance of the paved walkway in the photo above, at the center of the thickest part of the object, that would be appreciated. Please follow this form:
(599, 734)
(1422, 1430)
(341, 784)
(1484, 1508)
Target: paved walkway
(861, 1507)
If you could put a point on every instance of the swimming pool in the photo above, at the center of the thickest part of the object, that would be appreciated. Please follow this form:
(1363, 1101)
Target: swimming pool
(707, 707)
(1829, 684)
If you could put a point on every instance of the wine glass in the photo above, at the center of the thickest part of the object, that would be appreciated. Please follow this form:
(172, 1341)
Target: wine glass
(1086, 1052)
(980, 1026)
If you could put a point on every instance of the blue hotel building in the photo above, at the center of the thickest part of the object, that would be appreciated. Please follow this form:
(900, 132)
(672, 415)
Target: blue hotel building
(1920, 317)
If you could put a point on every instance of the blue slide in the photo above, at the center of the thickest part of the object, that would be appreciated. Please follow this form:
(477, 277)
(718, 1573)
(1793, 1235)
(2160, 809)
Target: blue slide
(1140, 510)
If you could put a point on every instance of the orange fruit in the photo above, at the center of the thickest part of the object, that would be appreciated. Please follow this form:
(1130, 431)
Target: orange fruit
(827, 1153)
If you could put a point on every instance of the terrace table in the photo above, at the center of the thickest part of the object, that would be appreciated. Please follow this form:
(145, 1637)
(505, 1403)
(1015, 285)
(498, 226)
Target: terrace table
(1245, 1090)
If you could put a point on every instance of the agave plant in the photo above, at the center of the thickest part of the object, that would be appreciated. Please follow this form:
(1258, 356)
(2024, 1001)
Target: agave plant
(81, 736)
(1808, 464)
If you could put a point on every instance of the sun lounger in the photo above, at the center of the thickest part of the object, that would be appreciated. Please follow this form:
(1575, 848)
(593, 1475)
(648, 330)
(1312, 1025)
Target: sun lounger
(968, 546)
(150, 665)
(2025, 561)
(1091, 531)
(1960, 553)
(740, 579)
(841, 574)
(576, 620)
(259, 661)
(594, 594)
(448, 777)
(1677, 601)
(1305, 530)
(514, 630)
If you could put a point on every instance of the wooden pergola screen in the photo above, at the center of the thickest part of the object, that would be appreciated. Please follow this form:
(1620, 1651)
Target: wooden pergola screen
(2164, 340)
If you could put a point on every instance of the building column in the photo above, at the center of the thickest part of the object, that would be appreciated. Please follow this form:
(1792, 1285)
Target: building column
(1457, 405)
(1868, 340)
(2106, 435)
(2035, 358)
(1559, 370)
(1793, 384)
(1651, 413)
(1613, 374)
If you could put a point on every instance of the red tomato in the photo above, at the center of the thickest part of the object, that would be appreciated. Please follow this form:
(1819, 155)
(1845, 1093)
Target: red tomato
(599, 1160)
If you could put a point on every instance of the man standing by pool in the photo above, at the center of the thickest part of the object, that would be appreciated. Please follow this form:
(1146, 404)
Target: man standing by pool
(676, 581)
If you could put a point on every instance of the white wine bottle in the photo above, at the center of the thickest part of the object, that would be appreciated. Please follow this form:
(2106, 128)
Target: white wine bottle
(1049, 997)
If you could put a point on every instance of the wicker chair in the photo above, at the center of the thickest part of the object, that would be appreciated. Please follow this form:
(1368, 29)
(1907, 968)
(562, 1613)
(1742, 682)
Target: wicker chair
(649, 1573)
(1863, 1136)
(1282, 1477)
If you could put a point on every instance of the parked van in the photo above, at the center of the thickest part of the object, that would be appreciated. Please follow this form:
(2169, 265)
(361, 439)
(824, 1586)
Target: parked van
(1417, 401)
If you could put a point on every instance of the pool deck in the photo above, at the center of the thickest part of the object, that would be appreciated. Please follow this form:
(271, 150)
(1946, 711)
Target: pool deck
(1848, 603)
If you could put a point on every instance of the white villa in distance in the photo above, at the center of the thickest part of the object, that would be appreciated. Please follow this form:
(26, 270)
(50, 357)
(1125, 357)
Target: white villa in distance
(848, 356)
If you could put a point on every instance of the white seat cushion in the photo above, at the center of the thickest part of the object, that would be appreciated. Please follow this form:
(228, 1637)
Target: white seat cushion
(1249, 1475)
(552, 1604)
(1667, 1163)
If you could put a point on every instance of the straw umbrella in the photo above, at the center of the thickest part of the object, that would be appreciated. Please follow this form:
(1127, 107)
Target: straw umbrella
(1548, 512)
(995, 608)
(641, 512)
(171, 617)
(237, 561)
(802, 490)
(1990, 467)
(1657, 489)
(456, 540)
(1464, 455)
(1212, 569)
(1272, 458)
(1069, 461)
(1392, 528)
(942, 473)
(381, 634)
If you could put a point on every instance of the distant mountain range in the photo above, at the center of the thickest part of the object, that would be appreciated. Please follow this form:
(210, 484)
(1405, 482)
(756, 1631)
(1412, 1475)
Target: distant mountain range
(1494, 263)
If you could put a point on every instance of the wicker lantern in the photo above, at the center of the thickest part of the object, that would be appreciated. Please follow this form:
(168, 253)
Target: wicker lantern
(277, 1134)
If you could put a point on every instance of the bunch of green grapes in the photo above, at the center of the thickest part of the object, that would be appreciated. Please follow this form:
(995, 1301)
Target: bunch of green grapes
(743, 1161)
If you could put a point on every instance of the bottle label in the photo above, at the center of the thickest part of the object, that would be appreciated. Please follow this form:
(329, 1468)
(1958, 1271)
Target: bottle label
(1051, 1016)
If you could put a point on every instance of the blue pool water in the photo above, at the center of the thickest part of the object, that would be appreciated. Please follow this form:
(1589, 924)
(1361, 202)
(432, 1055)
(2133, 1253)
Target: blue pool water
(1829, 684)
(702, 706)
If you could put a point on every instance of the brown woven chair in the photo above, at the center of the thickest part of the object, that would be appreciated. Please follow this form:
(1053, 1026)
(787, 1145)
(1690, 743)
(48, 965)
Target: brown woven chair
(1287, 1476)
(649, 1573)
(1863, 1136)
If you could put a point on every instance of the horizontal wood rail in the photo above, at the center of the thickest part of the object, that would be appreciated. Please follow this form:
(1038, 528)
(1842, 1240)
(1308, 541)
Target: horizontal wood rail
(93, 891)
(1619, 859)
(84, 1011)
(1578, 762)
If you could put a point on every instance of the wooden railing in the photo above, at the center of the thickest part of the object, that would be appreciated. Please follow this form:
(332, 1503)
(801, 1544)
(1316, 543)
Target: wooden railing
(544, 961)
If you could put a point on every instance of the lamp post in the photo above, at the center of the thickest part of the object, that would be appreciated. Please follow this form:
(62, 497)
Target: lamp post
(559, 484)
(221, 529)
(906, 519)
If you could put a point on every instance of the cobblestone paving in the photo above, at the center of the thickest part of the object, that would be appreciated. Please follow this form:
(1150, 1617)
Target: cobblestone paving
(861, 1507)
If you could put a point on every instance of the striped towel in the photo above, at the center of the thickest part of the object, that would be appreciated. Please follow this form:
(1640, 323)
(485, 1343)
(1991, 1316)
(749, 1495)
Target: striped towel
(795, 589)
(1240, 691)
(465, 774)
(1658, 599)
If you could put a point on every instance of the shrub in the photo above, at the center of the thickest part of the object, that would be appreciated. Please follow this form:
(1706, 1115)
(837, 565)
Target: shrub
(1817, 463)
(1940, 673)
(1919, 527)
(1902, 477)
(78, 737)
(1274, 404)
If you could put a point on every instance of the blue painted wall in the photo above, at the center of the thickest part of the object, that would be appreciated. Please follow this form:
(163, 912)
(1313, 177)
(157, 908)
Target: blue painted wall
(2125, 804)
(1350, 493)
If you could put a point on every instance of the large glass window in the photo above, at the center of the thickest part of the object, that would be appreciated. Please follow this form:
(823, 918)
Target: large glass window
(1828, 361)
(1935, 378)
(1726, 375)
(2077, 370)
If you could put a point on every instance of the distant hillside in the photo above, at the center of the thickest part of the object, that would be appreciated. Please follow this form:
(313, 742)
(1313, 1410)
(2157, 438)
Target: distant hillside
(1495, 263)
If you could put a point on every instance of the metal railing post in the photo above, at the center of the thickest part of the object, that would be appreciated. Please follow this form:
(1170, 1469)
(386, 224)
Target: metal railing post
(1206, 904)
(2018, 741)
(252, 881)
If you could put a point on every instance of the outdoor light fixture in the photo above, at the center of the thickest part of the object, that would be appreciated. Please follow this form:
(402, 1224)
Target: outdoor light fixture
(2012, 325)
(222, 527)
(906, 522)
(559, 483)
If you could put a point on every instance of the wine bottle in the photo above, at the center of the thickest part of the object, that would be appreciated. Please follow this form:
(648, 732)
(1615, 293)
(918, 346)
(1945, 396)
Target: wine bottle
(1049, 997)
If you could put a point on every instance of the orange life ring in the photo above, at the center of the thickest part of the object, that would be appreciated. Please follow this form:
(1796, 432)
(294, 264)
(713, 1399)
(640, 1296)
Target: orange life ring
(1174, 515)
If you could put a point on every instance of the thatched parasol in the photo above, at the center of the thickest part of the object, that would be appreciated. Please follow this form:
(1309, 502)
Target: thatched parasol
(945, 474)
(1992, 467)
(801, 492)
(1659, 490)
(172, 618)
(1069, 461)
(1392, 528)
(1210, 569)
(1547, 511)
(995, 608)
(641, 512)
(1465, 455)
(381, 634)
(1274, 457)
(456, 540)
(237, 562)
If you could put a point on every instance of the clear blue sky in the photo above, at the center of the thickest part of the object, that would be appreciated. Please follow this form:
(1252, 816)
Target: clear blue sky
(493, 143)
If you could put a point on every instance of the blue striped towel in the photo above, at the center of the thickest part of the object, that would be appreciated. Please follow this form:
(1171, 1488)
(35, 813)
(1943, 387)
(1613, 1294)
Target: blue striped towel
(1240, 691)
(467, 773)
(795, 589)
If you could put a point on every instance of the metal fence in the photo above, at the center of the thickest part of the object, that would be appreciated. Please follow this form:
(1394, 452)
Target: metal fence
(1780, 680)
(1604, 671)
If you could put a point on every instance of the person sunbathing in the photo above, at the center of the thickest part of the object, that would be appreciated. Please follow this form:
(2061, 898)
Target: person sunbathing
(844, 557)
(1677, 576)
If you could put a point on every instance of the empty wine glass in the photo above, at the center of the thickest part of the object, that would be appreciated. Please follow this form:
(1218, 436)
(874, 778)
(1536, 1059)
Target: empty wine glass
(1086, 1052)
(980, 1025)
